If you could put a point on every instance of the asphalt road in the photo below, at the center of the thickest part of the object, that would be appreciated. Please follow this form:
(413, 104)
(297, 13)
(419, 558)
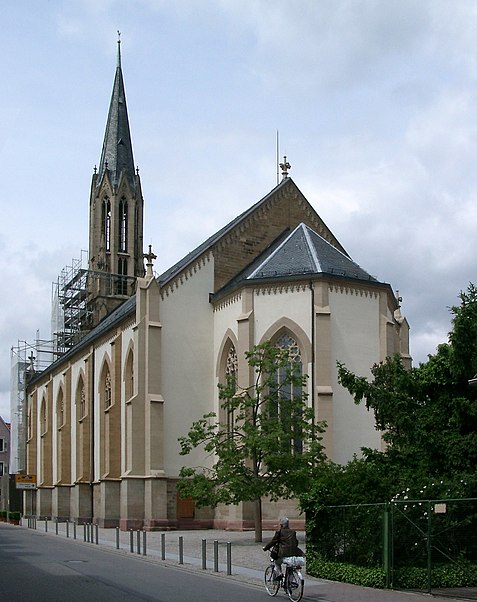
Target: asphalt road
(34, 568)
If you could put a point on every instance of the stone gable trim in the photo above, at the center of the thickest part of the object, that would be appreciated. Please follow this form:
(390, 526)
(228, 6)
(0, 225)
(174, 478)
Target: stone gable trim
(297, 287)
(185, 274)
(360, 291)
(131, 323)
(230, 300)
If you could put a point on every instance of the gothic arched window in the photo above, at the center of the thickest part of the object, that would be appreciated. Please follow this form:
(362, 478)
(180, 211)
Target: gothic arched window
(107, 390)
(129, 376)
(106, 221)
(60, 410)
(123, 226)
(80, 399)
(43, 422)
(290, 389)
(231, 371)
(122, 284)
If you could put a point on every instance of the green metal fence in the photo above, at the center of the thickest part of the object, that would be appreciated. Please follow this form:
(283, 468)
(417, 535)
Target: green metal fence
(426, 545)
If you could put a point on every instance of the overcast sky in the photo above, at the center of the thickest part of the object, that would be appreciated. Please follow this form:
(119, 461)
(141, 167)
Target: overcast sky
(375, 103)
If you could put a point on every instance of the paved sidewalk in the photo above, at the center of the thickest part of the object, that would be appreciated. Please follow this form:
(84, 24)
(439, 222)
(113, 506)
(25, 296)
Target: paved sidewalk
(247, 559)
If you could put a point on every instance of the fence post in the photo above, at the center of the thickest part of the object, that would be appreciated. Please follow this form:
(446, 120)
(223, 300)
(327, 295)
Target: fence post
(429, 548)
(229, 558)
(181, 549)
(386, 545)
(216, 556)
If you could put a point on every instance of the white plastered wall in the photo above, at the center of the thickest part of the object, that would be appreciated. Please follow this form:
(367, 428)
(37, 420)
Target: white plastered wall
(355, 343)
(187, 361)
(128, 343)
(270, 307)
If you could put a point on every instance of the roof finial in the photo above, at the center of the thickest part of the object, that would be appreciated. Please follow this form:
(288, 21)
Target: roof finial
(149, 259)
(119, 48)
(285, 166)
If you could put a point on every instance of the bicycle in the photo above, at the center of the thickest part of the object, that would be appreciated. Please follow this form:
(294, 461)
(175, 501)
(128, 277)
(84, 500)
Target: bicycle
(292, 581)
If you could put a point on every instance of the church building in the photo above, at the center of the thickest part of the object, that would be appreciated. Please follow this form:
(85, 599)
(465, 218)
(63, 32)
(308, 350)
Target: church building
(103, 420)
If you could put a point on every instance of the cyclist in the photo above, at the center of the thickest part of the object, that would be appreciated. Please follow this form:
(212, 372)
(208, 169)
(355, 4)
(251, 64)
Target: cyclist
(284, 543)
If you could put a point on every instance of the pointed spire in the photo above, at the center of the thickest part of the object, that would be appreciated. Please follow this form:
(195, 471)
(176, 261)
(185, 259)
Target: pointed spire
(117, 154)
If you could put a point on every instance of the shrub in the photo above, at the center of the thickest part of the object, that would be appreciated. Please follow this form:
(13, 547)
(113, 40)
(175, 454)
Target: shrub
(346, 573)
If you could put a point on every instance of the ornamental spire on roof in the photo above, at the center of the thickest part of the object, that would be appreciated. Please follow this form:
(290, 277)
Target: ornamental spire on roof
(117, 154)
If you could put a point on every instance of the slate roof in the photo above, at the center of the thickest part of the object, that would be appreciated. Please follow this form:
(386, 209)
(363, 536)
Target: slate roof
(305, 252)
(117, 154)
(301, 252)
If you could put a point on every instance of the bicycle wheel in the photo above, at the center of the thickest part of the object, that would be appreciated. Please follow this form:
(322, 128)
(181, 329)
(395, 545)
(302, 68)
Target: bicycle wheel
(271, 585)
(294, 585)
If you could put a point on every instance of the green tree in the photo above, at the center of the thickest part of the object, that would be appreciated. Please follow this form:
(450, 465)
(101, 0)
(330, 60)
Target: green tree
(428, 414)
(269, 445)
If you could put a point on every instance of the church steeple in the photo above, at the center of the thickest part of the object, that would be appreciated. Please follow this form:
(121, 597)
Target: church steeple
(117, 153)
(116, 212)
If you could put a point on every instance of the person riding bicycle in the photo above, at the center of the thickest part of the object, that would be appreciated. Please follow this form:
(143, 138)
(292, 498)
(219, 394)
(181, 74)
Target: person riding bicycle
(284, 543)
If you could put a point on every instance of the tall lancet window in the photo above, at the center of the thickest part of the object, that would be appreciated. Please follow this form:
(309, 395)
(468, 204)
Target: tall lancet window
(107, 391)
(122, 283)
(231, 371)
(106, 221)
(123, 226)
(290, 391)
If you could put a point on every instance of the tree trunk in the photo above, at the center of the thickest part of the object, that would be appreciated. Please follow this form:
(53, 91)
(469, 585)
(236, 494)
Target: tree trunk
(258, 519)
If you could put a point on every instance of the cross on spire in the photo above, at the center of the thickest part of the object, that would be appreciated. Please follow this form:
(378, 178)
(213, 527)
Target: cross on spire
(119, 48)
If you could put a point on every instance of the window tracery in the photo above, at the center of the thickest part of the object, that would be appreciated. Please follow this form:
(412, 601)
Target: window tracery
(107, 391)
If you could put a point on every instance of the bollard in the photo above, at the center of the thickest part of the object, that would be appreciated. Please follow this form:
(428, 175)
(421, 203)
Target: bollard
(46, 525)
(181, 549)
(97, 534)
(117, 538)
(144, 543)
(204, 554)
(131, 541)
(229, 558)
(67, 528)
(74, 529)
(138, 541)
(84, 531)
(216, 556)
(56, 526)
(163, 546)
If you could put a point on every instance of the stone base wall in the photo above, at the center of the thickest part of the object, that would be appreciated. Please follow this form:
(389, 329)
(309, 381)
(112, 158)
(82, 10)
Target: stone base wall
(61, 503)
(151, 505)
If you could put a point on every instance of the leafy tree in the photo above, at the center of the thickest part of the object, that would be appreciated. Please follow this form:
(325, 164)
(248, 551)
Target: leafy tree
(268, 446)
(428, 414)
